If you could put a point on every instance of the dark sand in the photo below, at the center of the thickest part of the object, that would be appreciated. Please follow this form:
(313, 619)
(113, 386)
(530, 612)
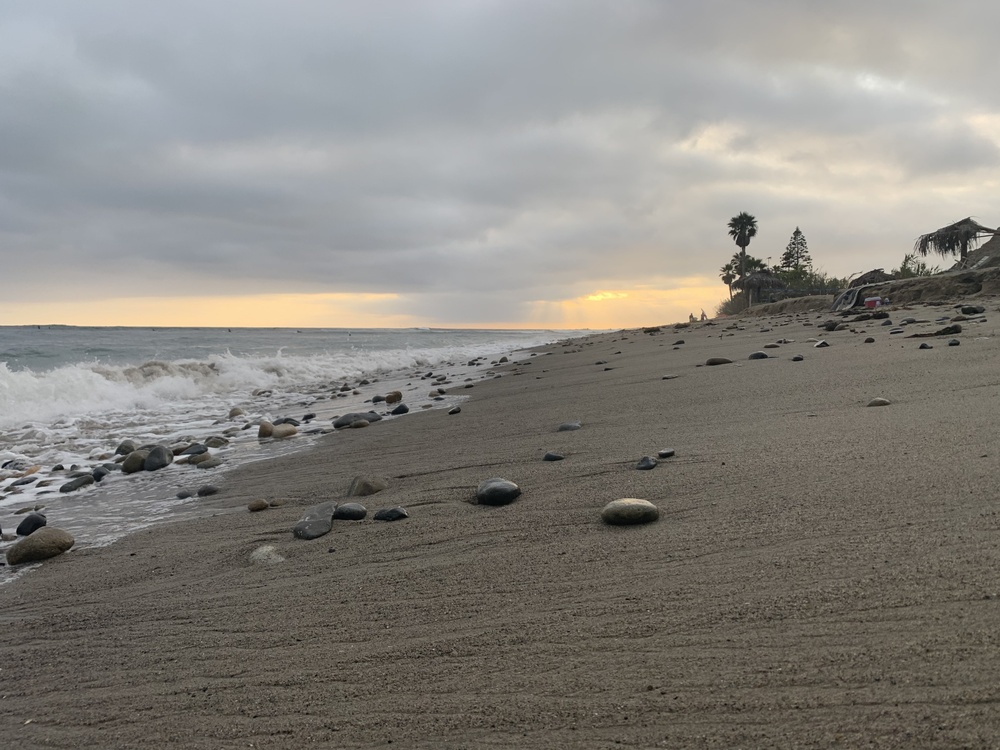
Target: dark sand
(822, 575)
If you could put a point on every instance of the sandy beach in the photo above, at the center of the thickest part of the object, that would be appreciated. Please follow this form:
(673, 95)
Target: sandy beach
(822, 574)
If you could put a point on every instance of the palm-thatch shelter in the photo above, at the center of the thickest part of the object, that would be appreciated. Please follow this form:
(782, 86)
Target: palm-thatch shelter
(757, 282)
(954, 238)
(876, 276)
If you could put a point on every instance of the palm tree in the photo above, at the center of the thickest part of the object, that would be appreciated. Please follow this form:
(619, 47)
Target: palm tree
(728, 275)
(743, 228)
(954, 238)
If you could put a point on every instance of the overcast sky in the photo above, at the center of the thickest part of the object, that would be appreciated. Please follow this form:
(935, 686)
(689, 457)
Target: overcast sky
(477, 162)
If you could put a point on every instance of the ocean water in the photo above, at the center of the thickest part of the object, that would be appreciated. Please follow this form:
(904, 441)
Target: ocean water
(70, 395)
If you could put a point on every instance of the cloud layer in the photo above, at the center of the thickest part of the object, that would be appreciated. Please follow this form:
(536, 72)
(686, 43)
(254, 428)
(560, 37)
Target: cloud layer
(478, 158)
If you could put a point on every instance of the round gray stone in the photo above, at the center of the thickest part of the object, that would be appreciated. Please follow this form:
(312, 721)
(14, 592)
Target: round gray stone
(629, 511)
(497, 491)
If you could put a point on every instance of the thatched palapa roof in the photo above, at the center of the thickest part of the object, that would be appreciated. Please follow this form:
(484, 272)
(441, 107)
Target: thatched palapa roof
(877, 276)
(954, 239)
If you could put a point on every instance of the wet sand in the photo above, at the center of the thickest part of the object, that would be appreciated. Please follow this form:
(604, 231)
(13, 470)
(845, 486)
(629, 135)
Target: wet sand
(823, 574)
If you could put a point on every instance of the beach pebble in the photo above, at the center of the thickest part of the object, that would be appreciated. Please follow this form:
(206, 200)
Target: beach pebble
(184, 494)
(401, 409)
(264, 429)
(159, 457)
(236, 412)
(553, 456)
(267, 554)
(393, 397)
(44, 543)
(887, 322)
(348, 420)
(364, 485)
(391, 514)
(455, 410)
(216, 441)
(712, 361)
(954, 342)
(210, 463)
(31, 522)
(879, 402)
(195, 449)
(283, 430)
(894, 331)
(497, 491)
(135, 461)
(821, 344)
(646, 463)
(207, 490)
(666, 453)
(316, 521)
(925, 345)
(797, 358)
(869, 340)
(628, 511)
(350, 512)
(77, 483)
(758, 355)
(771, 346)
(569, 426)
(125, 447)
(972, 310)
(255, 506)
(669, 377)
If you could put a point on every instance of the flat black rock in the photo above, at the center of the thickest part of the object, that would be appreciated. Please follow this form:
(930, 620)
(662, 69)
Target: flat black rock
(391, 514)
(77, 483)
(348, 419)
(401, 409)
(497, 491)
(31, 522)
(646, 463)
(316, 522)
(552, 456)
(350, 512)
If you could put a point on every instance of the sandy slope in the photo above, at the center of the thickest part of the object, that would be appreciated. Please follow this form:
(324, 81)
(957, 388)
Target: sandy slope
(823, 574)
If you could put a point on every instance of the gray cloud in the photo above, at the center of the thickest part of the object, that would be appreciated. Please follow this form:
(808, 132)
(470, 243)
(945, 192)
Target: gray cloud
(454, 150)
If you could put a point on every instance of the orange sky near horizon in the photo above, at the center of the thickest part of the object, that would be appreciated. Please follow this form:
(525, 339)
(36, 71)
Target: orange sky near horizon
(601, 309)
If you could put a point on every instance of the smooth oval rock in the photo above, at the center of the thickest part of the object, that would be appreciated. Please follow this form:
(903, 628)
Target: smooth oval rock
(714, 361)
(569, 426)
(879, 402)
(758, 355)
(347, 420)
(283, 430)
(44, 543)
(159, 457)
(925, 345)
(211, 463)
(31, 523)
(822, 344)
(316, 521)
(265, 429)
(391, 514)
(869, 340)
(207, 490)
(629, 511)
(455, 410)
(401, 409)
(364, 485)
(646, 463)
(797, 358)
(135, 461)
(350, 512)
(954, 342)
(75, 484)
(666, 453)
(256, 506)
(552, 456)
(497, 491)
(125, 447)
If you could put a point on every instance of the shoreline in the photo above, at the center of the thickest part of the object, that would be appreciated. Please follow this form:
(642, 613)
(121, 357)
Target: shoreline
(821, 573)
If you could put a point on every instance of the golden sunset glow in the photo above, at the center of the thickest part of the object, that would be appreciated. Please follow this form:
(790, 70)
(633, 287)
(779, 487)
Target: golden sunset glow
(601, 309)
